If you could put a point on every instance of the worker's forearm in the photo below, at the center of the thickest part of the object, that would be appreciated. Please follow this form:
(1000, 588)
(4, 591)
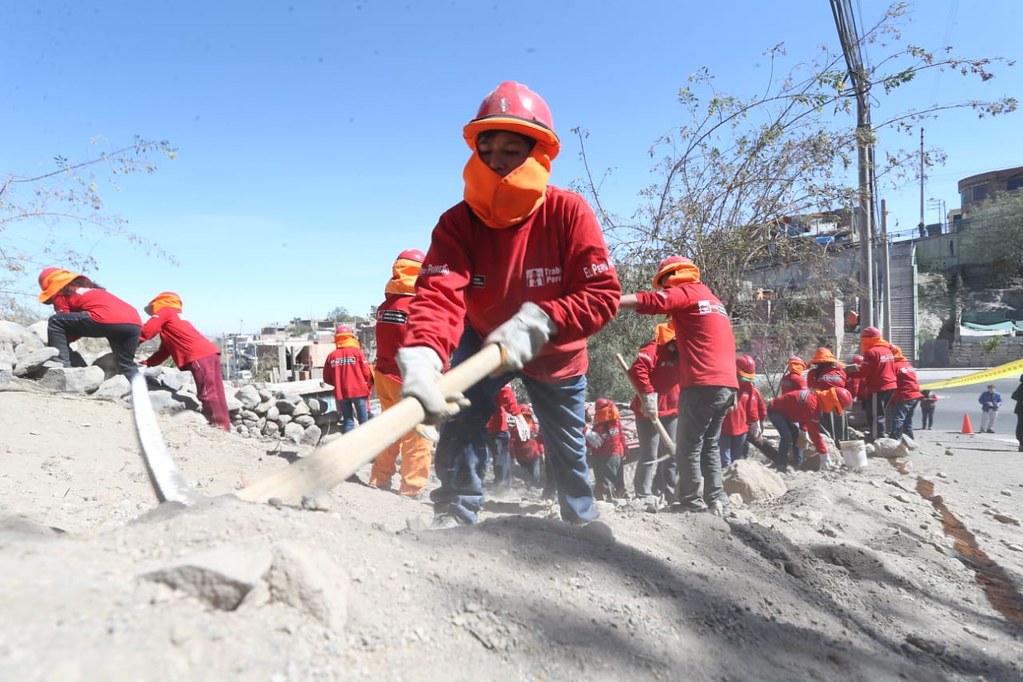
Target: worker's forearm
(628, 302)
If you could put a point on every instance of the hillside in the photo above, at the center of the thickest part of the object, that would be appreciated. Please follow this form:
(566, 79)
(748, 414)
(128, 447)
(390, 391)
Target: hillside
(850, 575)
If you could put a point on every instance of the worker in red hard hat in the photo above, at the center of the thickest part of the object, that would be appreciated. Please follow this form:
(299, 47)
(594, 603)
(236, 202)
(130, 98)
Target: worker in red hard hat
(654, 374)
(191, 351)
(707, 379)
(607, 446)
(877, 372)
(793, 379)
(744, 421)
(523, 264)
(906, 397)
(414, 449)
(85, 309)
(348, 372)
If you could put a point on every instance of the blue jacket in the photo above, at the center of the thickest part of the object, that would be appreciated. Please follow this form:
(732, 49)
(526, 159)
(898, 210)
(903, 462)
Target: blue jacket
(990, 401)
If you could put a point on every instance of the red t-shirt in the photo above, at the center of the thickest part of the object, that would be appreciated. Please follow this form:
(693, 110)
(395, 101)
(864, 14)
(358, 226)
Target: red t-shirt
(102, 306)
(178, 339)
(792, 382)
(656, 370)
(555, 258)
(706, 345)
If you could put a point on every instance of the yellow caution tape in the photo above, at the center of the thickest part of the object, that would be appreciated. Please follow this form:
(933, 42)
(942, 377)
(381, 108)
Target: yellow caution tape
(1000, 372)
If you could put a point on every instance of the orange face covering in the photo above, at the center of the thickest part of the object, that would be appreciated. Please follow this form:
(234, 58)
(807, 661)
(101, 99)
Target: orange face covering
(796, 367)
(606, 414)
(665, 333)
(677, 274)
(345, 340)
(829, 401)
(403, 277)
(501, 202)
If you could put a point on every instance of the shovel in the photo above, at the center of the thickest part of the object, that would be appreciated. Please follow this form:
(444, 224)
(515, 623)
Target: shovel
(661, 431)
(324, 469)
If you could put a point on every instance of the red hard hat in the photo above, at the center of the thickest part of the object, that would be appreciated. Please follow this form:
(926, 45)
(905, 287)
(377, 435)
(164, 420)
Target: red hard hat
(870, 333)
(673, 260)
(745, 363)
(844, 397)
(857, 359)
(514, 107)
(674, 269)
(412, 255)
(343, 329)
(603, 402)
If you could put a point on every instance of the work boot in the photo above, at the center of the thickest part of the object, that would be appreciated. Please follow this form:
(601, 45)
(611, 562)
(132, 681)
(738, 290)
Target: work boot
(445, 522)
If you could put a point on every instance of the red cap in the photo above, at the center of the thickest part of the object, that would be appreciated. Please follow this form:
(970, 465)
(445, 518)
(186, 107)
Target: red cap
(870, 333)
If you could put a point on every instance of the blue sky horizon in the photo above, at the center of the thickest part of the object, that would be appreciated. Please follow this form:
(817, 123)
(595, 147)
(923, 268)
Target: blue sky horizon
(316, 140)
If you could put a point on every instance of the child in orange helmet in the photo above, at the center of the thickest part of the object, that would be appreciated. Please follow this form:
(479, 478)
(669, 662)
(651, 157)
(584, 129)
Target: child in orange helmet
(191, 351)
(84, 308)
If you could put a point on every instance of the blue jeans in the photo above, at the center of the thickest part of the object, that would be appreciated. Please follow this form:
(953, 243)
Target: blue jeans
(559, 408)
(352, 409)
(902, 418)
(788, 434)
(701, 409)
(500, 455)
(732, 448)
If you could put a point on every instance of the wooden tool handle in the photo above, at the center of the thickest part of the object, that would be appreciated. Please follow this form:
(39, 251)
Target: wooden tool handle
(339, 459)
(663, 432)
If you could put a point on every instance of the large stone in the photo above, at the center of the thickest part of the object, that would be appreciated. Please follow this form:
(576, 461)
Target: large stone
(753, 481)
(285, 406)
(249, 396)
(188, 399)
(8, 358)
(273, 414)
(41, 330)
(108, 363)
(163, 401)
(311, 435)
(305, 420)
(171, 379)
(308, 579)
(294, 432)
(221, 577)
(15, 335)
(888, 447)
(33, 364)
(233, 404)
(72, 379)
(113, 388)
(316, 406)
(300, 409)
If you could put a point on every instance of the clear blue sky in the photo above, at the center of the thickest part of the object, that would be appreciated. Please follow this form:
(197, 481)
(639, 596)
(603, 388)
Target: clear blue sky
(318, 139)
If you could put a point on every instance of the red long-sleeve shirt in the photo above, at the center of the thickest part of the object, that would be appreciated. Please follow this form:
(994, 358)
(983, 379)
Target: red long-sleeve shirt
(907, 387)
(655, 369)
(614, 439)
(791, 382)
(102, 306)
(749, 408)
(877, 372)
(391, 328)
(804, 408)
(706, 345)
(825, 377)
(525, 451)
(348, 372)
(507, 407)
(178, 339)
(556, 258)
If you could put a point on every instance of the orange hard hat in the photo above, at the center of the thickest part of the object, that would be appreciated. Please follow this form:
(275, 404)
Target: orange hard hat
(823, 356)
(52, 280)
(166, 299)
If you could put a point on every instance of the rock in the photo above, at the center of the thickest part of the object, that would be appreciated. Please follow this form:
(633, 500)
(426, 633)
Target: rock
(171, 380)
(221, 577)
(233, 404)
(108, 363)
(305, 420)
(753, 481)
(300, 410)
(114, 388)
(248, 395)
(273, 414)
(14, 334)
(309, 580)
(72, 379)
(163, 401)
(294, 432)
(316, 406)
(285, 406)
(8, 358)
(264, 407)
(889, 448)
(32, 365)
(189, 400)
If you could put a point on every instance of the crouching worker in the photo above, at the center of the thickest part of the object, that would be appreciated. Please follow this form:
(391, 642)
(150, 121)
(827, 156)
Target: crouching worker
(85, 309)
(523, 264)
(527, 446)
(190, 351)
(607, 444)
(802, 409)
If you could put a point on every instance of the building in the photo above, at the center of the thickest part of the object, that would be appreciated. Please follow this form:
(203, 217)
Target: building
(976, 188)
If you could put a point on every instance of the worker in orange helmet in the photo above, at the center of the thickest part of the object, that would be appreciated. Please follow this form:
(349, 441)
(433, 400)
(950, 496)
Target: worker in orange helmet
(795, 410)
(84, 308)
(906, 397)
(877, 372)
(707, 379)
(191, 351)
(793, 379)
(348, 372)
(523, 264)
(827, 372)
(414, 448)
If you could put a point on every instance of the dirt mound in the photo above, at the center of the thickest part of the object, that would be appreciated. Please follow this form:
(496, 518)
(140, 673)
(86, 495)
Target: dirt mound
(847, 575)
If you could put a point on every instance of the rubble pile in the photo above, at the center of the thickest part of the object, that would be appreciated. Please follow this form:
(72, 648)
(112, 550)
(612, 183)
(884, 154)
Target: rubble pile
(255, 412)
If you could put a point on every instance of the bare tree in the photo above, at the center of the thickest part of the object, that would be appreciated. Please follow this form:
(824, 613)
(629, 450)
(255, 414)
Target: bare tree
(45, 219)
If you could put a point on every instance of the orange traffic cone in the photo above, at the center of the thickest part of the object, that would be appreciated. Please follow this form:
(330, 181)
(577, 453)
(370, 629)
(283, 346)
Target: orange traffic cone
(967, 426)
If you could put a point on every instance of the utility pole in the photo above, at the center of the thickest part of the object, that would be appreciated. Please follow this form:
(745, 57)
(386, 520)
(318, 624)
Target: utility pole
(923, 223)
(849, 37)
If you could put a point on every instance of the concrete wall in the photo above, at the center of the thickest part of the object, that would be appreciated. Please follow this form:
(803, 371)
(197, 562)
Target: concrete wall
(974, 355)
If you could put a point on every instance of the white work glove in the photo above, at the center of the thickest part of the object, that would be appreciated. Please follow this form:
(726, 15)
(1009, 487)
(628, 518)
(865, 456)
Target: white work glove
(594, 439)
(522, 428)
(754, 431)
(648, 405)
(420, 368)
(522, 336)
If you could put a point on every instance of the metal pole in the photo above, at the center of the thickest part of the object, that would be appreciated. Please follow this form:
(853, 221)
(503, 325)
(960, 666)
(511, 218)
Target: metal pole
(886, 285)
(923, 224)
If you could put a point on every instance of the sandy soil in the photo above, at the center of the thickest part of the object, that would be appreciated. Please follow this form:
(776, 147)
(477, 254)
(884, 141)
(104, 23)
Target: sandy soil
(850, 575)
